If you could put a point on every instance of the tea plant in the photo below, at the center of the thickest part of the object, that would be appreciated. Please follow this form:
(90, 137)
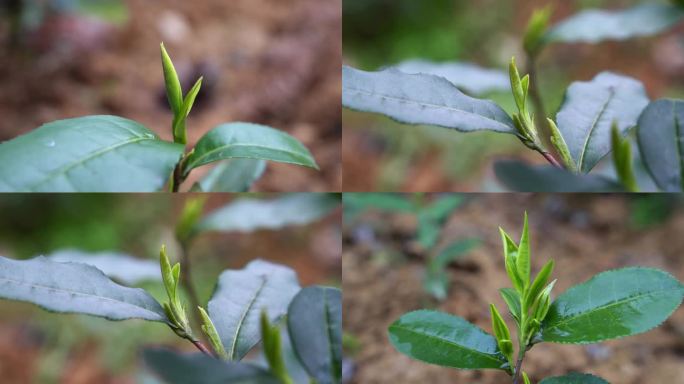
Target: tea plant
(431, 217)
(110, 153)
(610, 305)
(595, 118)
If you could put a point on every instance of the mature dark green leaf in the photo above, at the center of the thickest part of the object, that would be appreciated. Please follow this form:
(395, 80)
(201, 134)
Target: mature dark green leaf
(177, 368)
(234, 175)
(74, 288)
(420, 99)
(314, 321)
(522, 177)
(248, 215)
(612, 304)
(251, 141)
(121, 267)
(470, 78)
(661, 142)
(574, 378)
(589, 110)
(93, 153)
(593, 26)
(442, 339)
(240, 297)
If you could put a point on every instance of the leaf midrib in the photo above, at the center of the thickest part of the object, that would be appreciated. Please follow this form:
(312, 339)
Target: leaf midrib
(66, 168)
(329, 331)
(680, 149)
(243, 317)
(609, 305)
(77, 293)
(199, 160)
(430, 105)
(445, 341)
(603, 109)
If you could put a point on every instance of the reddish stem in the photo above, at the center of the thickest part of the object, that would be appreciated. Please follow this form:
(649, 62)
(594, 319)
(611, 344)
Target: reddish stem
(549, 157)
(202, 348)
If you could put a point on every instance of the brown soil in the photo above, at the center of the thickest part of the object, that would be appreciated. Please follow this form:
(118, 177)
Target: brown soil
(264, 61)
(584, 234)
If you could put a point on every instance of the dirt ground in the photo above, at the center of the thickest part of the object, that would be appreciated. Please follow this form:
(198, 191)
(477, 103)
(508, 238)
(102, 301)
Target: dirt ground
(264, 61)
(584, 234)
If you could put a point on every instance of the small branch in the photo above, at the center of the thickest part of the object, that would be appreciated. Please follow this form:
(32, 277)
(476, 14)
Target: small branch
(518, 368)
(203, 348)
(549, 157)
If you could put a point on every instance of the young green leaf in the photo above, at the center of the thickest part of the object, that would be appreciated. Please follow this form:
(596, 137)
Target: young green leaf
(441, 208)
(593, 26)
(439, 338)
(526, 379)
(190, 216)
(502, 334)
(428, 231)
(661, 142)
(612, 304)
(174, 91)
(472, 79)
(273, 349)
(522, 262)
(233, 175)
(210, 330)
(516, 86)
(86, 154)
(176, 368)
(512, 299)
(589, 111)
(622, 160)
(453, 251)
(241, 295)
(510, 260)
(538, 283)
(179, 120)
(68, 287)
(536, 29)
(420, 99)
(574, 378)
(561, 146)
(252, 141)
(314, 322)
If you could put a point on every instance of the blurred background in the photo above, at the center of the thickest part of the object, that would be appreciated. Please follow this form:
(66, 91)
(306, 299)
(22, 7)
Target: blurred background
(381, 155)
(388, 271)
(41, 347)
(264, 61)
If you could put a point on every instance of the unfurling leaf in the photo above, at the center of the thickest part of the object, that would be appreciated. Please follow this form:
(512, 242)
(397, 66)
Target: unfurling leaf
(174, 91)
(439, 338)
(512, 299)
(502, 334)
(612, 304)
(538, 283)
(510, 260)
(561, 146)
(536, 28)
(210, 330)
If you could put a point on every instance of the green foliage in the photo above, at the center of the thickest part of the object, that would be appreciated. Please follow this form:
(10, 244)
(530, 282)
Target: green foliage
(241, 295)
(443, 339)
(420, 99)
(622, 159)
(613, 304)
(67, 287)
(594, 26)
(437, 280)
(314, 323)
(272, 345)
(113, 154)
(574, 378)
(660, 136)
